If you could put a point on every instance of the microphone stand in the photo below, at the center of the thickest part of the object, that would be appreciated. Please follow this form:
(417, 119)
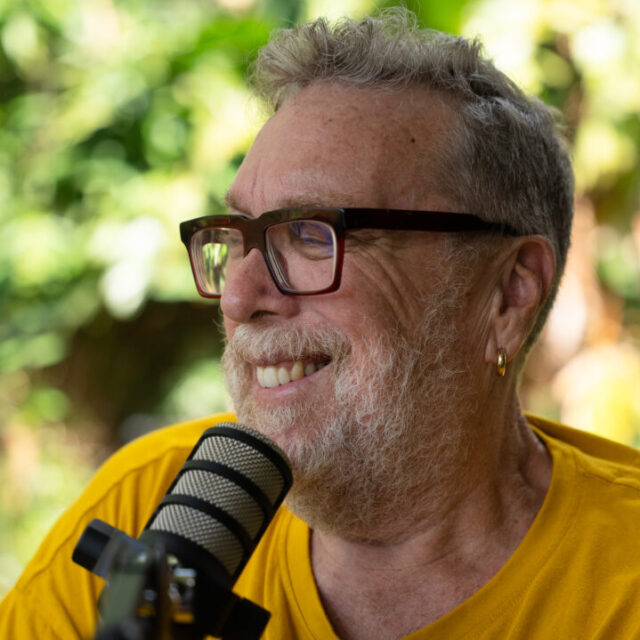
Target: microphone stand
(150, 596)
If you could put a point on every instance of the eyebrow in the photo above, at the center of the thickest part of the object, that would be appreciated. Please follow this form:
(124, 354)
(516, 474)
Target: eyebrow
(316, 200)
(232, 203)
(300, 200)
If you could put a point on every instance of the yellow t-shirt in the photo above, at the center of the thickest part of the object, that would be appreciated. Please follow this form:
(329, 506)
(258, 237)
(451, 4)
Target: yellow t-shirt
(575, 575)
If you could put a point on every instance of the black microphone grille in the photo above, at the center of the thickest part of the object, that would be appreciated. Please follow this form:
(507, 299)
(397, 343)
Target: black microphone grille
(222, 499)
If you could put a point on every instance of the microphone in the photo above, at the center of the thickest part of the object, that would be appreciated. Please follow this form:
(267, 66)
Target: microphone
(209, 522)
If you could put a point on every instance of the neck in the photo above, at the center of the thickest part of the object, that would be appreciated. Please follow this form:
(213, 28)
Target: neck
(433, 564)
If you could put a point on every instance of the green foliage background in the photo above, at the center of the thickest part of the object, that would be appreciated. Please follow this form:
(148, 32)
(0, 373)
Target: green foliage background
(120, 118)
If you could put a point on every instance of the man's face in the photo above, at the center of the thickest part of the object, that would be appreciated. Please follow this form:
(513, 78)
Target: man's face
(338, 378)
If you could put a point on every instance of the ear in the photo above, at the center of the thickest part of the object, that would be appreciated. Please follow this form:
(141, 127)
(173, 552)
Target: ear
(523, 285)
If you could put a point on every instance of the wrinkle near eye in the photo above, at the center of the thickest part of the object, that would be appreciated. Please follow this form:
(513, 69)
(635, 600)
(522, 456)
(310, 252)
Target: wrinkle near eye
(394, 240)
(355, 239)
(389, 267)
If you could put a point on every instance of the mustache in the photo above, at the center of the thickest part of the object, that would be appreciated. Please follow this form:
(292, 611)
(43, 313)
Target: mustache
(252, 343)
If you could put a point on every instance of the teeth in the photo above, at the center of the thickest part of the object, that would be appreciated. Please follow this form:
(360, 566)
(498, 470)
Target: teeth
(297, 371)
(283, 376)
(272, 377)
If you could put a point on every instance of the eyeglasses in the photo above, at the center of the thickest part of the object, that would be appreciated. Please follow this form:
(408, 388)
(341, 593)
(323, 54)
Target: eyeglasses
(303, 247)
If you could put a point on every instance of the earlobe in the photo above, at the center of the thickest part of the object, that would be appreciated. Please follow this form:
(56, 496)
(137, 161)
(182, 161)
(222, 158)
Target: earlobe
(523, 286)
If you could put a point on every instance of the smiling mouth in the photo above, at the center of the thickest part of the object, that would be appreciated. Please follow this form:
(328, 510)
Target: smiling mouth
(271, 376)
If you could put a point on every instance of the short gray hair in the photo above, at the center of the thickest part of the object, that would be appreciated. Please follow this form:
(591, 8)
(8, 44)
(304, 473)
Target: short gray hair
(507, 160)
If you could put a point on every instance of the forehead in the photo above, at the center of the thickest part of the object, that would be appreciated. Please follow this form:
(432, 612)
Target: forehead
(347, 146)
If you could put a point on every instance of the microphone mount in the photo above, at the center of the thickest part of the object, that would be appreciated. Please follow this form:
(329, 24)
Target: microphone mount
(149, 595)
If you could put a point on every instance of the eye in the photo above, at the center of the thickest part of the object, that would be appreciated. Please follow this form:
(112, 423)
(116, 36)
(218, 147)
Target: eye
(301, 239)
(311, 233)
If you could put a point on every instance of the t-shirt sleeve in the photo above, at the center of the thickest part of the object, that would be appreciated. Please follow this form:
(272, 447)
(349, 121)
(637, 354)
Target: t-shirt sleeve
(56, 598)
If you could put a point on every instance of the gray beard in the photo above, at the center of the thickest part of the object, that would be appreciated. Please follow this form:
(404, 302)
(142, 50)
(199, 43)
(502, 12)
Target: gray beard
(373, 459)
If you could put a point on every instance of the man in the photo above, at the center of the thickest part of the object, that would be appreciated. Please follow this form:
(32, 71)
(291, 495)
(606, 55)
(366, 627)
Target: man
(418, 217)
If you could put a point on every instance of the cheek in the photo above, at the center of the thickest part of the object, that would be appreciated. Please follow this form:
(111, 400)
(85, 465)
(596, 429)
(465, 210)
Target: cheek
(388, 293)
(362, 307)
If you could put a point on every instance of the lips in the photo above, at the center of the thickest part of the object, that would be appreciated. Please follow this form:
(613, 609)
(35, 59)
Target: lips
(271, 376)
(274, 356)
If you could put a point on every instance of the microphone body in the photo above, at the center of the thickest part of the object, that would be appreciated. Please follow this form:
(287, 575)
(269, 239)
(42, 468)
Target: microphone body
(198, 539)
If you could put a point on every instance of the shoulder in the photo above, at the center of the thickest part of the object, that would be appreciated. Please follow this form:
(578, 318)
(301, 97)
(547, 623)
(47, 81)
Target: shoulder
(159, 449)
(599, 477)
(128, 486)
(124, 492)
(594, 455)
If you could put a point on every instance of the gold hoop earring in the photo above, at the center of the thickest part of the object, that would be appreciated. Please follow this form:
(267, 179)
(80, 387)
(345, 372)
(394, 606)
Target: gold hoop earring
(502, 362)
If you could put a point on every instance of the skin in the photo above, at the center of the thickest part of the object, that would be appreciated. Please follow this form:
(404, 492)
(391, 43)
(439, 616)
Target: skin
(345, 146)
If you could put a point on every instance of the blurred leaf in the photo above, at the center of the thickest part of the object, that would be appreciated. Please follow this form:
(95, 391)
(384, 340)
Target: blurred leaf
(618, 263)
(434, 14)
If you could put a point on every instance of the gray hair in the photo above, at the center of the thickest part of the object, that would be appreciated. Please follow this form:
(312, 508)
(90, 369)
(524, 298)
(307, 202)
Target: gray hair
(506, 161)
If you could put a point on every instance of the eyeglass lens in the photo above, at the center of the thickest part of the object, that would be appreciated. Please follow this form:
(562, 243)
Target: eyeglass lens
(301, 254)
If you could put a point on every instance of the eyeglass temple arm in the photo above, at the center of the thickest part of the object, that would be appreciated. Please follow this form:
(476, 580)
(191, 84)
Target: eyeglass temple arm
(421, 221)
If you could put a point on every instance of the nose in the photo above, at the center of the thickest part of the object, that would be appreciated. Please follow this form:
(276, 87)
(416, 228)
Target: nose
(250, 292)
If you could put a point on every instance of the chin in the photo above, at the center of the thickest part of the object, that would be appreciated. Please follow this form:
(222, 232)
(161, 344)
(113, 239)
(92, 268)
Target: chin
(292, 427)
